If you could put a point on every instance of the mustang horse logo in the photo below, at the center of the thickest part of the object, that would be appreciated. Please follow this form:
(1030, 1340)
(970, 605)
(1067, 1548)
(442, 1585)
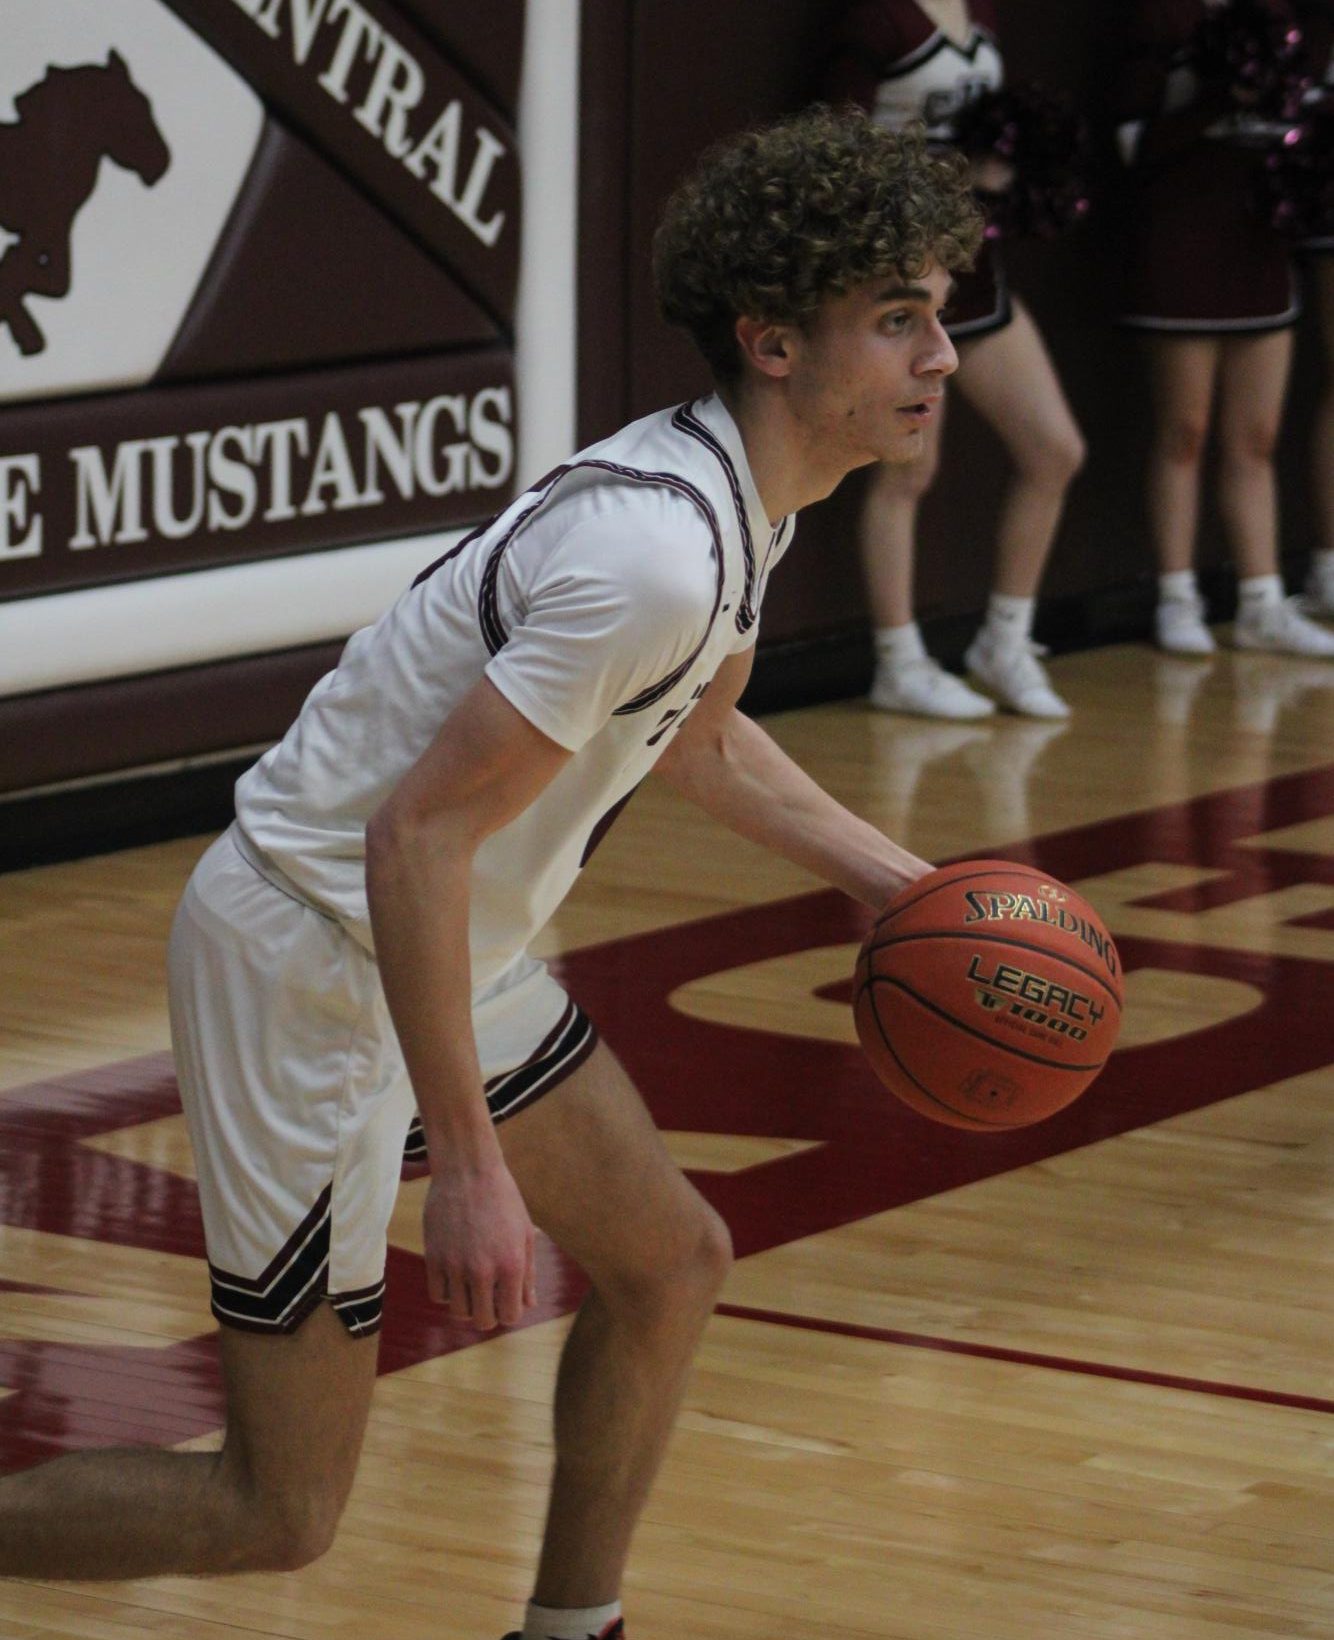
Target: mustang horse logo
(49, 162)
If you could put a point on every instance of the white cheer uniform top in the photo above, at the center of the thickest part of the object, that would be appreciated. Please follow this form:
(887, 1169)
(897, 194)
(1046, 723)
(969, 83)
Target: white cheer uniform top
(935, 77)
(600, 604)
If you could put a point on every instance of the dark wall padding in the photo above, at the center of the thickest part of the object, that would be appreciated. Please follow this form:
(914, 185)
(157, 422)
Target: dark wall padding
(124, 723)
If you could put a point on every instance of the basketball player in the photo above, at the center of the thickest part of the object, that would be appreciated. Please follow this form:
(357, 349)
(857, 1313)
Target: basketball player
(907, 60)
(356, 945)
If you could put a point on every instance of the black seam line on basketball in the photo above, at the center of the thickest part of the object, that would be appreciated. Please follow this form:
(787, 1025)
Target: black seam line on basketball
(982, 1036)
(999, 939)
(977, 1121)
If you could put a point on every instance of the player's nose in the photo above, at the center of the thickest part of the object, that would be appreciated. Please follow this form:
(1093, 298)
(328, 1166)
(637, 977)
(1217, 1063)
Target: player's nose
(938, 357)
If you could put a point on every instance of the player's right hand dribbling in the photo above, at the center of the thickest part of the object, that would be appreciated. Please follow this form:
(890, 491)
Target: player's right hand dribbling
(479, 1246)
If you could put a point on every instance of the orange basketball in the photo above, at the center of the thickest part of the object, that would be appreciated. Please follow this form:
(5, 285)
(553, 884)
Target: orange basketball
(988, 995)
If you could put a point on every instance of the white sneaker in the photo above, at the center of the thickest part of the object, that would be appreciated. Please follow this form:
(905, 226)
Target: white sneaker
(1013, 672)
(1178, 627)
(1318, 599)
(1282, 629)
(924, 688)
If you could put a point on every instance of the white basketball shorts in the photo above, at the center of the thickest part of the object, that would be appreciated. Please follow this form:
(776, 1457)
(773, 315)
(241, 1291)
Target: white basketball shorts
(296, 1095)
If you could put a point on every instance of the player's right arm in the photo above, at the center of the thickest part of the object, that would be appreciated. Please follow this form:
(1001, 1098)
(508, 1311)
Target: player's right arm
(486, 764)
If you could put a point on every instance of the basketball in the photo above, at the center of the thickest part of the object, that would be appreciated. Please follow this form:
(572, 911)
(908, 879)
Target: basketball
(987, 995)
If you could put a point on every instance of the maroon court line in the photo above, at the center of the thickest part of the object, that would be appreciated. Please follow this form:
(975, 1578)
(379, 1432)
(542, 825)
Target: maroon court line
(1026, 1358)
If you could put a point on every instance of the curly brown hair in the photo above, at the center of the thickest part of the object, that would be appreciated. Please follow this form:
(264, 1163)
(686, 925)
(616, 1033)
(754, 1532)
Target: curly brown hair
(774, 220)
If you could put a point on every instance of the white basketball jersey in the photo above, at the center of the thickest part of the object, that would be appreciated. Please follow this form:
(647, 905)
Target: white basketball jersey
(600, 604)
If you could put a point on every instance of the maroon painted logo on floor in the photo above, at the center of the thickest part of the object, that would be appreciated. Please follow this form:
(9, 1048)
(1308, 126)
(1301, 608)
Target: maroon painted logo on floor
(866, 1154)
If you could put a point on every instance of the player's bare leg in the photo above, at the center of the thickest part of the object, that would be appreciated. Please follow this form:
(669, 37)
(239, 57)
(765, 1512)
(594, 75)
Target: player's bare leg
(1008, 377)
(598, 1179)
(268, 1501)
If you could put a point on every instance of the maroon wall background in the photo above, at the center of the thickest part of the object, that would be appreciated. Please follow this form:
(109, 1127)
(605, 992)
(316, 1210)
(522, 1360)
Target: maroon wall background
(661, 78)
(661, 81)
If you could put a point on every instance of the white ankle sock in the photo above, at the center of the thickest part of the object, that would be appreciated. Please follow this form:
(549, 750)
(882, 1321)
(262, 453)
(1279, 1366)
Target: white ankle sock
(1259, 592)
(1009, 619)
(900, 644)
(1178, 584)
(576, 1623)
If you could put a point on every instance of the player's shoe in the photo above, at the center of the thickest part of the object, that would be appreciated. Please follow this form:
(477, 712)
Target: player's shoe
(924, 688)
(1178, 627)
(1015, 675)
(1282, 629)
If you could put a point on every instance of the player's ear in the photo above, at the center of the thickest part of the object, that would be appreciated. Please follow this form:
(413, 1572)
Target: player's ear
(766, 346)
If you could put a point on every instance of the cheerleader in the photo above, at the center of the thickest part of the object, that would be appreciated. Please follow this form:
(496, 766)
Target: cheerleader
(907, 60)
(1211, 284)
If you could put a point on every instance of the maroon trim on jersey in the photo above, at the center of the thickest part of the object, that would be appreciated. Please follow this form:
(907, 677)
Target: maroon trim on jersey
(686, 421)
(614, 813)
(488, 603)
(454, 551)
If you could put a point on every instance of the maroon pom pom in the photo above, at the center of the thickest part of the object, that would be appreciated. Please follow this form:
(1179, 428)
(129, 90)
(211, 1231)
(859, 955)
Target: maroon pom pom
(1297, 180)
(1040, 134)
(1254, 48)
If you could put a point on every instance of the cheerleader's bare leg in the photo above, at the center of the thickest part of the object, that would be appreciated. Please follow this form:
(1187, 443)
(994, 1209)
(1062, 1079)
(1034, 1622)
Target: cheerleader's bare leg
(1182, 370)
(1252, 380)
(1008, 377)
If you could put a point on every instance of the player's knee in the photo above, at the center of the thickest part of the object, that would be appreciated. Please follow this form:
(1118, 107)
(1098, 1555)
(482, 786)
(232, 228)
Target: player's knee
(683, 1267)
(716, 1254)
(272, 1528)
(702, 1256)
(295, 1530)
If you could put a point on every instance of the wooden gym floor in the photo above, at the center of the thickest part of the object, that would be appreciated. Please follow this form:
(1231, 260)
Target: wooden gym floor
(1071, 1383)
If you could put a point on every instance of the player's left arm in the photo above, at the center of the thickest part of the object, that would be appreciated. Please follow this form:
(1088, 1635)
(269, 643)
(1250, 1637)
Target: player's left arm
(724, 762)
